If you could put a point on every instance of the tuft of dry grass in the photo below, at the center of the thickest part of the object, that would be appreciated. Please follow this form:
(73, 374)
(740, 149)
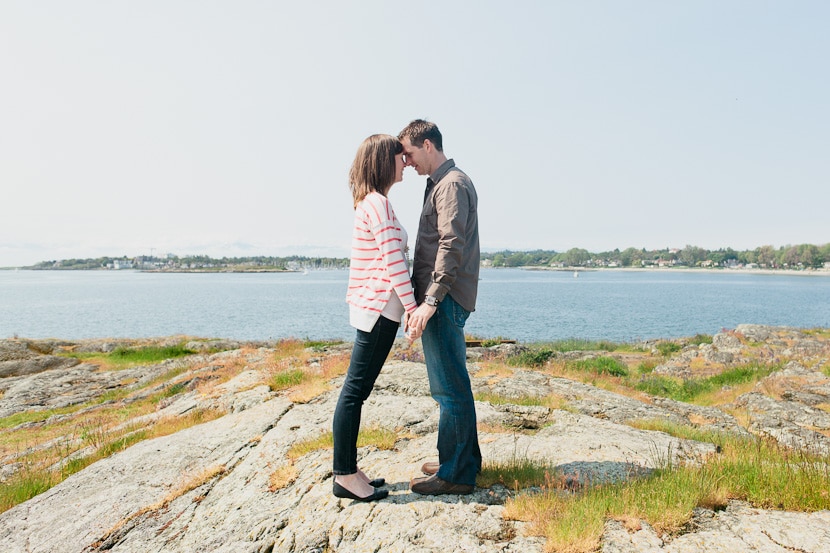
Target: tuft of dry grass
(776, 387)
(551, 401)
(759, 471)
(188, 485)
(492, 428)
(302, 379)
(283, 477)
(304, 447)
(494, 371)
(516, 473)
(309, 390)
(381, 438)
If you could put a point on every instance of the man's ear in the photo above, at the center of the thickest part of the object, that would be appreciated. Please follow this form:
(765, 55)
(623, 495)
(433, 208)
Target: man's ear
(428, 145)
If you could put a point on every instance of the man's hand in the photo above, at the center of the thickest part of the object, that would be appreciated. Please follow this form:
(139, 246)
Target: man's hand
(417, 321)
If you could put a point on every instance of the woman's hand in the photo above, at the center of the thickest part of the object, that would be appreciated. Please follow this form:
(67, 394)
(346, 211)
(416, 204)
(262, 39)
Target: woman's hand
(417, 321)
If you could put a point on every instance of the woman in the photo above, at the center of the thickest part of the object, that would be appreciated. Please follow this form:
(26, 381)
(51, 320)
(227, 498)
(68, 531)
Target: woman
(379, 295)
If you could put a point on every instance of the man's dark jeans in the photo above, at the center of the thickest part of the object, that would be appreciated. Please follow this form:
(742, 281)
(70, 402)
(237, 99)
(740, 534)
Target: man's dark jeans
(445, 352)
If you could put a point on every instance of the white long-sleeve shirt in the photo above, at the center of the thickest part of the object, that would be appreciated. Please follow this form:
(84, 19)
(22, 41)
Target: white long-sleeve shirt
(378, 266)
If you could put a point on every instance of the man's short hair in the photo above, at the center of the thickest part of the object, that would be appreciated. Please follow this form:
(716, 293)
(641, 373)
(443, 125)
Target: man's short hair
(419, 130)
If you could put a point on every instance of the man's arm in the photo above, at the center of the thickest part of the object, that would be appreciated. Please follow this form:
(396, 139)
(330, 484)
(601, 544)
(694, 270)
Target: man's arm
(451, 205)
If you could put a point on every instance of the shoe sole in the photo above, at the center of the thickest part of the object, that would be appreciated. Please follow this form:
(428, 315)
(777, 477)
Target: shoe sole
(343, 493)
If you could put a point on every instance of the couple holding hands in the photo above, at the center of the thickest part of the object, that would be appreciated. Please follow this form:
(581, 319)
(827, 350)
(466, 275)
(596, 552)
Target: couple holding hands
(433, 305)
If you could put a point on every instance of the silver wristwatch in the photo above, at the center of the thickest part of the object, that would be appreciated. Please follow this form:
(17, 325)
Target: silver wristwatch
(432, 301)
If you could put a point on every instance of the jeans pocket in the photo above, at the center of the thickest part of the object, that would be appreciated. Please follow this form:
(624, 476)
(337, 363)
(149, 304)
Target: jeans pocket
(459, 315)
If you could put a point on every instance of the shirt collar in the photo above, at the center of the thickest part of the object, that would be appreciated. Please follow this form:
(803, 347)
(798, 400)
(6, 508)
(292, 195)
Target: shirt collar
(442, 170)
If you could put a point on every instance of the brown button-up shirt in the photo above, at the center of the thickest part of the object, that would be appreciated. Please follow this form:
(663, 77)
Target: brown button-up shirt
(447, 254)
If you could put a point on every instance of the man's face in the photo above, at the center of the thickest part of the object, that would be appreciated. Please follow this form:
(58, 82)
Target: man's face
(416, 157)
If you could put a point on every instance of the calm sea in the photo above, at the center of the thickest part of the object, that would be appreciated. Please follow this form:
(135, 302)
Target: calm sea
(513, 303)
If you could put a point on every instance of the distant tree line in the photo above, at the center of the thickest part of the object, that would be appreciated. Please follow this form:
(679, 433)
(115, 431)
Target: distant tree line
(802, 256)
(197, 261)
(806, 256)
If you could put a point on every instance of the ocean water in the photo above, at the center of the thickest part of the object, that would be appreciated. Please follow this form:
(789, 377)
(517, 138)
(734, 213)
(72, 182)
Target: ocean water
(525, 305)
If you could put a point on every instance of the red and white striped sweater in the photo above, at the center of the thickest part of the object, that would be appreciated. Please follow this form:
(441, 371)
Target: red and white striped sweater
(378, 264)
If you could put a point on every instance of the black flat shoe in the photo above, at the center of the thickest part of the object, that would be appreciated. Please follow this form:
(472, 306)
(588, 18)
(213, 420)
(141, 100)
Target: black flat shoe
(340, 491)
(377, 482)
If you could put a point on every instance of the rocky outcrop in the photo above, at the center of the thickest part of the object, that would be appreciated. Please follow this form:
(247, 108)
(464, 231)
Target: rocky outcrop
(737, 528)
(25, 358)
(212, 487)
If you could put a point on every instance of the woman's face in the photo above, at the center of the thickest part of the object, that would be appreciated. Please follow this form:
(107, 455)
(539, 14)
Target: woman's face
(399, 165)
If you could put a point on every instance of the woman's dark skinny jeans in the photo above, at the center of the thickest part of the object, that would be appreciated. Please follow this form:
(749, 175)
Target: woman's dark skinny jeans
(368, 355)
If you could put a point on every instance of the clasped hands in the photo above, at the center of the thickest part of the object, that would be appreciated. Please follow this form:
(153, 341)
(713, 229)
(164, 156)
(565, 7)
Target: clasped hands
(415, 323)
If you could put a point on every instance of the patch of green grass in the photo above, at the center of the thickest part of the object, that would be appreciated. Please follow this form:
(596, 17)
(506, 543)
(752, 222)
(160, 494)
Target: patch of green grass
(758, 471)
(125, 357)
(496, 399)
(121, 443)
(646, 367)
(599, 365)
(667, 348)
(22, 486)
(578, 344)
(533, 357)
(34, 416)
(174, 389)
(699, 339)
(149, 354)
(320, 345)
(683, 431)
(689, 390)
(287, 379)
(490, 342)
(539, 354)
(514, 473)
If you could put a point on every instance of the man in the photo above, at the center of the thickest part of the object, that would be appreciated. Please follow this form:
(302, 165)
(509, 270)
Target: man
(445, 277)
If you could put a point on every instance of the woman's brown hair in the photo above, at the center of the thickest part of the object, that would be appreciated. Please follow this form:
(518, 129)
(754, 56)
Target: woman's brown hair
(373, 169)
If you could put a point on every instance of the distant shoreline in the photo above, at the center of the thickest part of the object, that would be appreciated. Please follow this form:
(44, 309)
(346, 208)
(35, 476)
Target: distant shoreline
(217, 271)
(773, 272)
(157, 270)
(789, 272)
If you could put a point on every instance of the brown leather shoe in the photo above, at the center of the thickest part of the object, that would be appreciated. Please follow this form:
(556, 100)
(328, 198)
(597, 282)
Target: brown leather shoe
(435, 486)
(430, 467)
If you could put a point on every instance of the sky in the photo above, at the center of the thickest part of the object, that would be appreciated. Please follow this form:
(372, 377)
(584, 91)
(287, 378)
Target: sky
(228, 128)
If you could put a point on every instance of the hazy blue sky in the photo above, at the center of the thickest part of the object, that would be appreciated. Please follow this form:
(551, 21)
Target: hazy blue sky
(228, 128)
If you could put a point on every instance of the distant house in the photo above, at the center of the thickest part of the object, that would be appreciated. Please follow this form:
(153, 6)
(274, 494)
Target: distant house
(122, 264)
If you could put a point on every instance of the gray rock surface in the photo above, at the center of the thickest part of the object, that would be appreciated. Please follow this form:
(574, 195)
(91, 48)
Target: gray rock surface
(20, 357)
(211, 487)
(738, 528)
